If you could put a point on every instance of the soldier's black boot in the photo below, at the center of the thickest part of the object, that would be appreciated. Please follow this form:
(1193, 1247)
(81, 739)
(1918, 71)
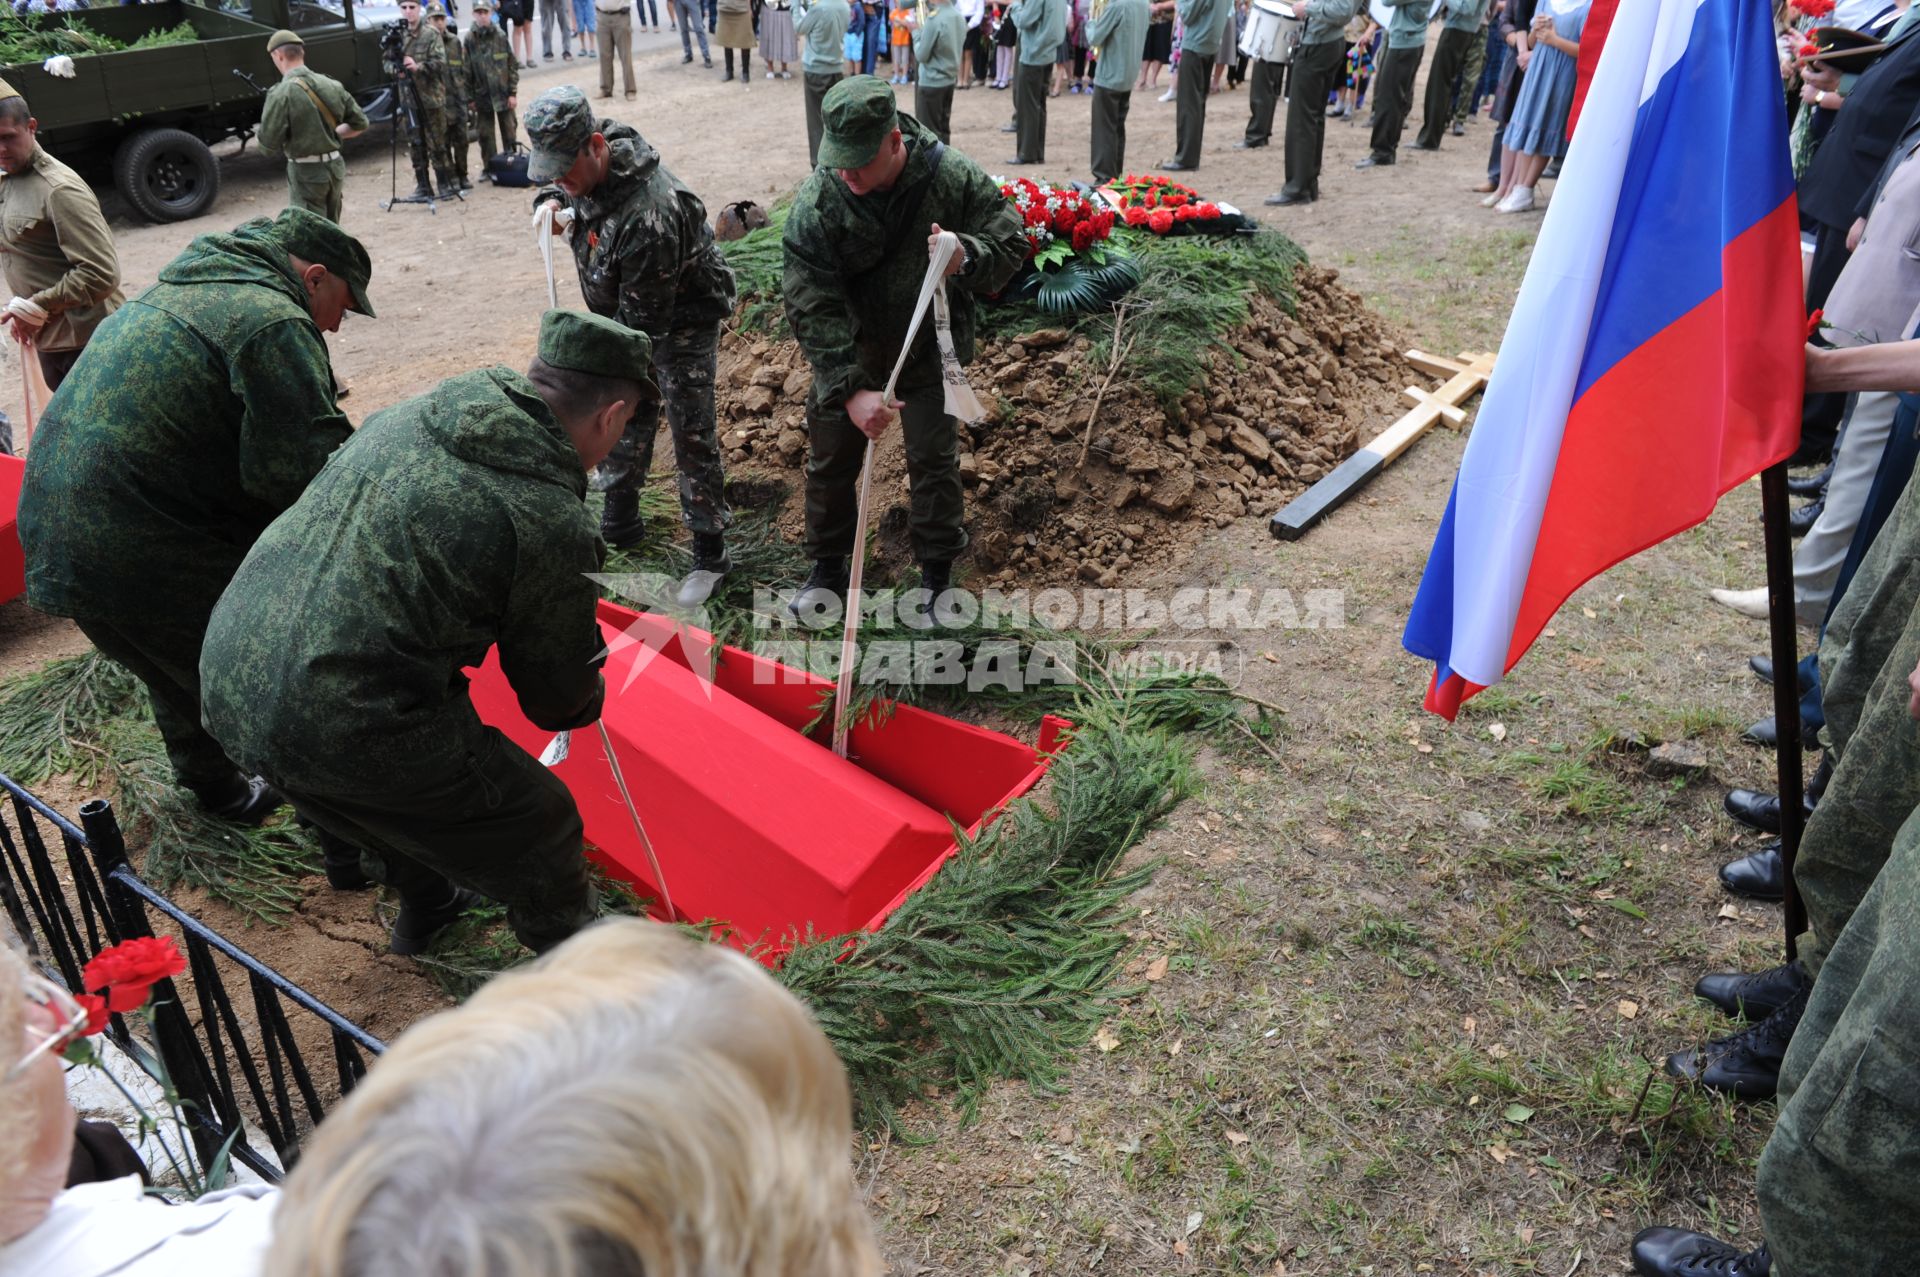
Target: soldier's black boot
(342, 860)
(1760, 876)
(1746, 1065)
(822, 600)
(621, 526)
(449, 185)
(1676, 1252)
(710, 564)
(245, 800)
(420, 921)
(422, 187)
(936, 579)
(1754, 996)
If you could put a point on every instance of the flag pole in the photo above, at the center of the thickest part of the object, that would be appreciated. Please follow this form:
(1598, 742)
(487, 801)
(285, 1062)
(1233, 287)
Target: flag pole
(1786, 686)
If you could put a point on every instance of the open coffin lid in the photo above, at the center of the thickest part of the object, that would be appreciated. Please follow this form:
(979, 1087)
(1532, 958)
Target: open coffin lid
(758, 826)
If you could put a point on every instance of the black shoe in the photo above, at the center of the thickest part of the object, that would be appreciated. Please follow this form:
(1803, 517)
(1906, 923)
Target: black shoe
(1747, 1064)
(710, 564)
(1760, 811)
(1761, 876)
(1801, 521)
(1017, 162)
(1175, 166)
(1762, 667)
(244, 800)
(822, 600)
(936, 579)
(728, 76)
(1752, 996)
(708, 61)
(423, 190)
(1009, 128)
(1675, 1252)
(1375, 161)
(621, 526)
(1809, 485)
(1422, 146)
(684, 61)
(417, 925)
(548, 57)
(1286, 199)
(1244, 145)
(466, 183)
(1765, 732)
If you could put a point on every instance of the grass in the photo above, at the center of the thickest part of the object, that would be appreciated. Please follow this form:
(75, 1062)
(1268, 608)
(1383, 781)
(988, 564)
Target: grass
(1455, 297)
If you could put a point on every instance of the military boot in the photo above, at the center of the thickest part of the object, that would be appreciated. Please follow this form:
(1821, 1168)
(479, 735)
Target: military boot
(422, 187)
(936, 579)
(621, 526)
(710, 564)
(1747, 1064)
(420, 921)
(245, 800)
(823, 599)
(449, 185)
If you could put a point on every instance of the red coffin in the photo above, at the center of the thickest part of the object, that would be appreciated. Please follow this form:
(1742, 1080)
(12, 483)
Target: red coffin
(758, 826)
(13, 562)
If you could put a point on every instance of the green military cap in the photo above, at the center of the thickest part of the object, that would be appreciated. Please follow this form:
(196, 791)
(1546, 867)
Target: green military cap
(582, 342)
(857, 115)
(435, 9)
(314, 238)
(281, 39)
(559, 123)
(481, 6)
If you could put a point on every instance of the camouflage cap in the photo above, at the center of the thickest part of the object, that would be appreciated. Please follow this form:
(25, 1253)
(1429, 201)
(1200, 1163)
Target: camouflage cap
(594, 344)
(281, 39)
(315, 239)
(482, 6)
(856, 116)
(558, 125)
(435, 9)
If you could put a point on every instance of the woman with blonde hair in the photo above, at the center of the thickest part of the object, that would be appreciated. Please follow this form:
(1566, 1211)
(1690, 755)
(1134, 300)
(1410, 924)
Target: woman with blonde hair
(635, 1102)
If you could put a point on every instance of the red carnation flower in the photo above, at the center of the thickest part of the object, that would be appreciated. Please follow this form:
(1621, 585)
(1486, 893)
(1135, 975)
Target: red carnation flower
(1082, 237)
(1136, 216)
(1815, 322)
(1161, 221)
(1207, 210)
(96, 1009)
(128, 969)
(1173, 200)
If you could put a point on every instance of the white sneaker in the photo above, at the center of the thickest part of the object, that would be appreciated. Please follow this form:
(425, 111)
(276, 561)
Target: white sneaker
(1167, 96)
(1490, 200)
(1519, 200)
(769, 75)
(1751, 603)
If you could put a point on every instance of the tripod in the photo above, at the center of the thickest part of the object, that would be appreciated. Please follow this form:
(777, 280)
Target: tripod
(406, 102)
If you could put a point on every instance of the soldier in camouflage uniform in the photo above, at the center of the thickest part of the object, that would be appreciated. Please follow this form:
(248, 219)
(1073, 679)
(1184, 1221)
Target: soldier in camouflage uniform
(856, 252)
(1837, 1183)
(646, 257)
(201, 411)
(423, 57)
(449, 523)
(306, 117)
(459, 85)
(493, 78)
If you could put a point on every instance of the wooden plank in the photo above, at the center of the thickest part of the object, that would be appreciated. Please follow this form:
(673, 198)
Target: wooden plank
(1453, 416)
(1435, 365)
(1347, 478)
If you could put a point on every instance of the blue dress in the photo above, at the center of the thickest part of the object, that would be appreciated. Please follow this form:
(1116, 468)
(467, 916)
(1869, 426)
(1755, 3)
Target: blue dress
(1538, 123)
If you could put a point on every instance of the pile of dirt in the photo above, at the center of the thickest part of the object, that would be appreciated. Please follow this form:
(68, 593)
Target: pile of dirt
(1284, 402)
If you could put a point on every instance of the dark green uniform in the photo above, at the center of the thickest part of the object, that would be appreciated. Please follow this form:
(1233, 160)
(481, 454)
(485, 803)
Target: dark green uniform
(448, 524)
(429, 80)
(1837, 1182)
(493, 74)
(201, 411)
(854, 265)
(646, 258)
(294, 123)
(459, 85)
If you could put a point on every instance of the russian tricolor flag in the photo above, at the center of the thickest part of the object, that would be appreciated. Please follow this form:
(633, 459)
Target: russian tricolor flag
(1653, 360)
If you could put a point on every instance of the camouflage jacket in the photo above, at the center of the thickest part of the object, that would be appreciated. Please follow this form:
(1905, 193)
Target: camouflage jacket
(428, 49)
(854, 264)
(493, 72)
(449, 523)
(642, 244)
(458, 79)
(202, 408)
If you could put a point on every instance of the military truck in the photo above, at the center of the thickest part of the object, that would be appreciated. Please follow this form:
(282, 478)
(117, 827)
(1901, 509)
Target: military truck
(148, 118)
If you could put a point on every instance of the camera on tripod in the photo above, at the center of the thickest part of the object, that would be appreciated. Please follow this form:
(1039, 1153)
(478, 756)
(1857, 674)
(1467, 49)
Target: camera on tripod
(393, 45)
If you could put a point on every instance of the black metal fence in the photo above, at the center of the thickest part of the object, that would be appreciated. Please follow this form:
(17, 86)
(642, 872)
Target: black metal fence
(235, 1062)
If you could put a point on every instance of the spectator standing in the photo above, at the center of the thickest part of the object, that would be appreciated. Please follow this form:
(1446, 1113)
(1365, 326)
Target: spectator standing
(555, 13)
(689, 28)
(973, 62)
(1043, 26)
(1393, 96)
(1006, 39)
(1316, 68)
(1205, 27)
(1537, 131)
(777, 42)
(936, 59)
(736, 33)
(516, 16)
(1459, 35)
(586, 27)
(822, 33)
(615, 17)
(900, 51)
(495, 74)
(1120, 34)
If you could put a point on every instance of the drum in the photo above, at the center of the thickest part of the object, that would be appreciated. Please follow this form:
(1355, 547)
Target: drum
(1272, 32)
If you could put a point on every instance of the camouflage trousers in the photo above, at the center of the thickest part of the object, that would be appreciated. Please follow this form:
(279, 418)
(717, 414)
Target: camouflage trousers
(1839, 1180)
(1470, 75)
(1871, 644)
(163, 652)
(318, 188)
(428, 139)
(455, 145)
(683, 364)
(936, 503)
(490, 818)
(495, 126)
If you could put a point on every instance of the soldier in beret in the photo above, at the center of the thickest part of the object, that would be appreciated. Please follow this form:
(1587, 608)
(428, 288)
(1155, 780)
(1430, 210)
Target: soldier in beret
(449, 523)
(305, 118)
(646, 258)
(856, 246)
(203, 408)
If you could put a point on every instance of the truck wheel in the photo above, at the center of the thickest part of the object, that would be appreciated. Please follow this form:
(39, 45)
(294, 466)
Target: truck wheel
(168, 175)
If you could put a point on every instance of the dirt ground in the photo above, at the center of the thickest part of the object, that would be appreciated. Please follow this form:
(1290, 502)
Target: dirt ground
(1397, 989)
